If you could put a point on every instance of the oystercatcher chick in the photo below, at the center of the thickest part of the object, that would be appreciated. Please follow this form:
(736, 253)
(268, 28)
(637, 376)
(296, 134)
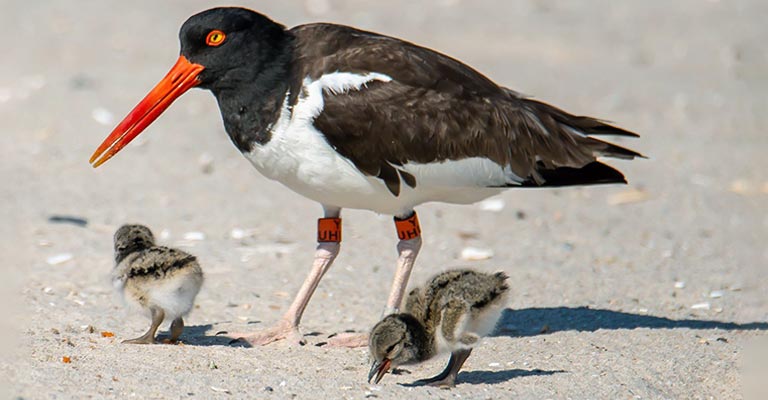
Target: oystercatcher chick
(355, 119)
(159, 280)
(450, 314)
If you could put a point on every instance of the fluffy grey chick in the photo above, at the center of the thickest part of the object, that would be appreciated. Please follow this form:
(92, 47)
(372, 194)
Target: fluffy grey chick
(450, 314)
(157, 279)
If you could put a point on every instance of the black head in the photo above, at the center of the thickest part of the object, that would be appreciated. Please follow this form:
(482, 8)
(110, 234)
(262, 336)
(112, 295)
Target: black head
(228, 39)
(222, 49)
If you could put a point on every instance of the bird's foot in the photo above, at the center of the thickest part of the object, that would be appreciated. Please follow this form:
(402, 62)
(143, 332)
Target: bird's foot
(141, 340)
(283, 330)
(438, 381)
(349, 340)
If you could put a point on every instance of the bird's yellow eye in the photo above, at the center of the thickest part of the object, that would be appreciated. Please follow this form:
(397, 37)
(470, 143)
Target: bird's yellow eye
(215, 38)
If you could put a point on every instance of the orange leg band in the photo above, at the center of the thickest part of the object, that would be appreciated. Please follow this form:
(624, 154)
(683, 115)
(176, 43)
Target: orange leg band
(329, 230)
(408, 228)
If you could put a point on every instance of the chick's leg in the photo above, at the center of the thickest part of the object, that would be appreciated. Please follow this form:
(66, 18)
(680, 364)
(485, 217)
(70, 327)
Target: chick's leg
(158, 315)
(177, 326)
(447, 378)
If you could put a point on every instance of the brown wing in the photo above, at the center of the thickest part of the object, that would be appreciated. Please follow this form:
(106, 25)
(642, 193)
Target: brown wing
(327, 48)
(436, 108)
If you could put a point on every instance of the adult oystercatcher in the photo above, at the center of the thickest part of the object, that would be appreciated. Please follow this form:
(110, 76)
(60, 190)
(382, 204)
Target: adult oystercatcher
(355, 119)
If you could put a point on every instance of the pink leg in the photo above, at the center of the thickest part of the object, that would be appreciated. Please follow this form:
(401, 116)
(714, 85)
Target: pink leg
(409, 232)
(288, 326)
(408, 250)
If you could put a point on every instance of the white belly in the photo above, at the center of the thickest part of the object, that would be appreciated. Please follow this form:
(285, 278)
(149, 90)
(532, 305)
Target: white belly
(298, 156)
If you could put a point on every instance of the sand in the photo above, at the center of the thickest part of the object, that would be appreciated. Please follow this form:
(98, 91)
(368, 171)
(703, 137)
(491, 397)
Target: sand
(653, 290)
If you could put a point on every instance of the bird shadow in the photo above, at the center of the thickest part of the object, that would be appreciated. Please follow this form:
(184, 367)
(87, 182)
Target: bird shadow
(494, 377)
(197, 335)
(491, 377)
(545, 320)
(68, 219)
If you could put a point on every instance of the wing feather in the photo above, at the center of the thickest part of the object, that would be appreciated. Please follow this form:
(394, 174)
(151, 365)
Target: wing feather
(436, 109)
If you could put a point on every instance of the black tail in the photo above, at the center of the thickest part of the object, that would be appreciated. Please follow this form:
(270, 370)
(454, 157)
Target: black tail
(562, 148)
(501, 281)
(594, 173)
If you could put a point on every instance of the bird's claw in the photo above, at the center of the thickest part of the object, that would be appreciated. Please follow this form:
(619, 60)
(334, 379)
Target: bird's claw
(349, 340)
(281, 331)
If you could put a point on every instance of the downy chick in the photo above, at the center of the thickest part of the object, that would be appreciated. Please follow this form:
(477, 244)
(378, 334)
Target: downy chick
(157, 279)
(449, 314)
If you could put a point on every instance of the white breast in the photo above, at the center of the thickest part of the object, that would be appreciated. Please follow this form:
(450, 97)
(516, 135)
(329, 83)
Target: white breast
(299, 157)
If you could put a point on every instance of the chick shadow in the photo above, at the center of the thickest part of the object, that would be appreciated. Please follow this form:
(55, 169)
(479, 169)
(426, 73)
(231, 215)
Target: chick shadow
(546, 320)
(200, 335)
(495, 377)
(490, 377)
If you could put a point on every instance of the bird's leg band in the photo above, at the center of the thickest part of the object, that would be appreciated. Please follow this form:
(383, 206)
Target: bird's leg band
(329, 230)
(408, 228)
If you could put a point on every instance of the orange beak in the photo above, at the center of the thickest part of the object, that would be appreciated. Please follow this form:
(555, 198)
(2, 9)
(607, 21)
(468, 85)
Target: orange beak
(182, 77)
(378, 369)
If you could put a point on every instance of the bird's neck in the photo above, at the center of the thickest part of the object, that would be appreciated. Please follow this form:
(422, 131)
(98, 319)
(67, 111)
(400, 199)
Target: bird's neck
(425, 341)
(127, 249)
(251, 101)
(423, 328)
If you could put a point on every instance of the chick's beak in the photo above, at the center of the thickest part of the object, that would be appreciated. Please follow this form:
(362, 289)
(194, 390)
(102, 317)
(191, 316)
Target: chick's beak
(379, 368)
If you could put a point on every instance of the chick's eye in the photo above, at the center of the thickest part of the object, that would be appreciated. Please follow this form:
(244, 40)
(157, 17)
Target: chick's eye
(390, 348)
(215, 38)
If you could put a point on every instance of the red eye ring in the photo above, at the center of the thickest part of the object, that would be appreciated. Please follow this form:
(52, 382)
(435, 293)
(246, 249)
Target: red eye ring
(215, 38)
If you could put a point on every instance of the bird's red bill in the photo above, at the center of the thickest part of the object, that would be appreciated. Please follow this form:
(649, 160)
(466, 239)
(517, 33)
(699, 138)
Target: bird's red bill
(179, 79)
(383, 368)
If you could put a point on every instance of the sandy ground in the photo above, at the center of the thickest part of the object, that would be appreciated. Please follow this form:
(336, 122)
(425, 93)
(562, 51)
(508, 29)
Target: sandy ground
(653, 290)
